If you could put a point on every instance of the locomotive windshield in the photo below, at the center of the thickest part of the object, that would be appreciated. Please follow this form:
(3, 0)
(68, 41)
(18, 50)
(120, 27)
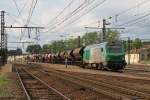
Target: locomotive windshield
(114, 49)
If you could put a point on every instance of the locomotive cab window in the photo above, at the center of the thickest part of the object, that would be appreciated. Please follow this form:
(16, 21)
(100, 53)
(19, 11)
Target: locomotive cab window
(114, 49)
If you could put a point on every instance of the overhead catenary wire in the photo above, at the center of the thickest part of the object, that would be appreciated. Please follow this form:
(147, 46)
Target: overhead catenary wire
(17, 7)
(69, 15)
(134, 16)
(86, 12)
(137, 30)
(75, 12)
(81, 15)
(141, 17)
(129, 9)
(32, 8)
(25, 4)
(20, 11)
(31, 11)
(138, 21)
(61, 12)
(144, 20)
(78, 17)
(14, 18)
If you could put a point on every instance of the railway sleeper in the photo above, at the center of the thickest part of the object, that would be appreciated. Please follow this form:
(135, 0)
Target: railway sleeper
(132, 93)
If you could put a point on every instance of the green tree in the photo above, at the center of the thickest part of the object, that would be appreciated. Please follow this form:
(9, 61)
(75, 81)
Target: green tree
(18, 51)
(72, 43)
(34, 48)
(46, 48)
(128, 45)
(89, 38)
(137, 43)
(133, 44)
(113, 35)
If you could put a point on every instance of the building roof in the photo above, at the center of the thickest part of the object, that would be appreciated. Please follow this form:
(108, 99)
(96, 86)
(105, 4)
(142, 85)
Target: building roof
(135, 51)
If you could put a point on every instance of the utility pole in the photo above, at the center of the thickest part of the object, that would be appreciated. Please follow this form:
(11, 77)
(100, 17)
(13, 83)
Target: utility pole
(2, 30)
(3, 45)
(104, 31)
(104, 35)
(79, 42)
(3, 39)
(129, 47)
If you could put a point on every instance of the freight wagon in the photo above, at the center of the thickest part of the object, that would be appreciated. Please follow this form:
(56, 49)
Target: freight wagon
(102, 56)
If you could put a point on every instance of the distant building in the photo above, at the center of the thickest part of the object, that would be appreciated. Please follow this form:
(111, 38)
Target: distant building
(138, 55)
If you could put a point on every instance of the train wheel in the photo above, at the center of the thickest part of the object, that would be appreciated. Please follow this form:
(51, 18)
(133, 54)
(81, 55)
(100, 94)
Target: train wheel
(101, 66)
(121, 71)
(83, 65)
(97, 66)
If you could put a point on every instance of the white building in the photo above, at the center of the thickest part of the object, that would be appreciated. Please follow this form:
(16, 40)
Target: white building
(136, 56)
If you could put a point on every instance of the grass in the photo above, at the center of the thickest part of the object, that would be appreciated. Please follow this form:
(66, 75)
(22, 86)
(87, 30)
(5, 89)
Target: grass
(3, 93)
(3, 82)
(3, 79)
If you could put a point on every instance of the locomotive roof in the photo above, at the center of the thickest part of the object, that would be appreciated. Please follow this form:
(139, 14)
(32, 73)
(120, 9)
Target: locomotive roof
(96, 45)
(101, 45)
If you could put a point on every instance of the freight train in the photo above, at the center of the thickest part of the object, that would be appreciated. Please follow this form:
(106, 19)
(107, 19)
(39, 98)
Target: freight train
(101, 56)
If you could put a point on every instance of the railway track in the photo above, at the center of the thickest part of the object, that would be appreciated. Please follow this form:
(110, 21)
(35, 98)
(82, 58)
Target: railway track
(138, 69)
(139, 72)
(104, 88)
(115, 92)
(72, 90)
(35, 88)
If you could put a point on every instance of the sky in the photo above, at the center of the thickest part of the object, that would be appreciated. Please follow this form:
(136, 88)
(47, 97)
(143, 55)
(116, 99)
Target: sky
(47, 14)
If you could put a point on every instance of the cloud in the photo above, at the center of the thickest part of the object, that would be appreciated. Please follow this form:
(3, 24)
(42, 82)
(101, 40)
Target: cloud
(46, 10)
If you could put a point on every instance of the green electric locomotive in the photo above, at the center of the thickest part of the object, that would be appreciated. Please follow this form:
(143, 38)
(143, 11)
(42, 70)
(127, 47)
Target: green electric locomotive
(105, 56)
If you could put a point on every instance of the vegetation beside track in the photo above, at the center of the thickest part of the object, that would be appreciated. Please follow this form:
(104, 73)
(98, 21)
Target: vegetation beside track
(3, 84)
(3, 79)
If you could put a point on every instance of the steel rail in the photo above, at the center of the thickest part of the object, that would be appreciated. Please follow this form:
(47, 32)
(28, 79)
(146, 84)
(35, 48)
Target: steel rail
(122, 89)
(56, 91)
(89, 86)
(22, 84)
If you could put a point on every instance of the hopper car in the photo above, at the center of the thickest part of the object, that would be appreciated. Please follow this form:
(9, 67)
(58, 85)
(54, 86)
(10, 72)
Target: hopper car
(101, 56)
